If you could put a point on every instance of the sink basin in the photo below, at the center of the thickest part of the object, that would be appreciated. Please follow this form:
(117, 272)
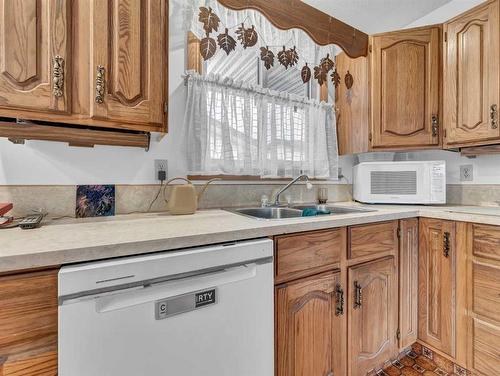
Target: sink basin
(292, 212)
(269, 213)
(334, 209)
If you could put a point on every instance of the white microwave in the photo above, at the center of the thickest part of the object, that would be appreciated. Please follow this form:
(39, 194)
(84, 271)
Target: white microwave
(400, 182)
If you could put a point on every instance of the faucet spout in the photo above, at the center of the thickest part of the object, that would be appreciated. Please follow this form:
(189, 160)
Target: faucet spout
(280, 192)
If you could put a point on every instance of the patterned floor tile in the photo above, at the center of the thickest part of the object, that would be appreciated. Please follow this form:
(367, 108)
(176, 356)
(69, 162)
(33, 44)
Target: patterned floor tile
(440, 372)
(407, 361)
(428, 353)
(419, 369)
(421, 361)
(425, 363)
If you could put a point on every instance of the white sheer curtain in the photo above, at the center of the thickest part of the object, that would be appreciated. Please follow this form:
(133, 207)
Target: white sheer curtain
(237, 128)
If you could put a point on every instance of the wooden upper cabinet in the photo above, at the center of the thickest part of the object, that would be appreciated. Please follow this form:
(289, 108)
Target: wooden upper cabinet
(437, 284)
(471, 77)
(308, 332)
(405, 86)
(373, 315)
(34, 55)
(352, 106)
(129, 52)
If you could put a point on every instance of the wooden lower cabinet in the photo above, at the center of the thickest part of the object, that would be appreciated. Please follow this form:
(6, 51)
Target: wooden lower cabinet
(408, 282)
(28, 324)
(484, 300)
(436, 314)
(372, 309)
(309, 333)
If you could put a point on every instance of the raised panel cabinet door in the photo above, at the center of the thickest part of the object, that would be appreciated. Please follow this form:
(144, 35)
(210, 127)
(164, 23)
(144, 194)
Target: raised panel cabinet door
(408, 282)
(373, 315)
(28, 324)
(437, 284)
(35, 56)
(129, 47)
(471, 77)
(405, 74)
(309, 327)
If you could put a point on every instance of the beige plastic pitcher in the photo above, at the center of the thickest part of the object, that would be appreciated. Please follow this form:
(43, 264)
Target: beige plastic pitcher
(183, 198)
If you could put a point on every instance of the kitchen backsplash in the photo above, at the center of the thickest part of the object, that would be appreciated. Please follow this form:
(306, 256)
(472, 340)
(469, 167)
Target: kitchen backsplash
(59, 200)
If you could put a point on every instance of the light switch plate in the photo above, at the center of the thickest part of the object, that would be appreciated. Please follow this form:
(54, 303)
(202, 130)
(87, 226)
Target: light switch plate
(466, 173)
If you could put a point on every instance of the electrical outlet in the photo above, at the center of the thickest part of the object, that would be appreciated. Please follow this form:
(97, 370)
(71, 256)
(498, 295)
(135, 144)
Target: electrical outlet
(466, 173)
(161, 165)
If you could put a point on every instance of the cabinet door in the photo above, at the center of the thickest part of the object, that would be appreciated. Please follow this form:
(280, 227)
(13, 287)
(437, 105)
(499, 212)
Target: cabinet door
(437, 284)
(352, 104)
(405, 88)
(129, 47)
(34, 55)
(408, 282)
(28, 324)
(471, 76)
(373, 315)
(483, 285)
(309, 333)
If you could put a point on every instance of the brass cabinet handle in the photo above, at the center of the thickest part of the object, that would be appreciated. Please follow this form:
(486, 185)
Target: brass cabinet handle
(494, 116)
(339, 298)
(358, 297)
(435, 125)
(58, 76)
(330, 373)
(99, 84)
(446, 244)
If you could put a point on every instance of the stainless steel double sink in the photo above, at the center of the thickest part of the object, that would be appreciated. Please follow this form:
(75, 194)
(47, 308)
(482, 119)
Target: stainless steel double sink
(293, 211)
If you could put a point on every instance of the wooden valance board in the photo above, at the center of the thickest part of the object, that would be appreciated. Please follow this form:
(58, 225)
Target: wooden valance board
(322, 28)
(83, 137)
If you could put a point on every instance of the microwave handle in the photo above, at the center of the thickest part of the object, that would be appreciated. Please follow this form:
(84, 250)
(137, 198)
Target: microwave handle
(174, 288)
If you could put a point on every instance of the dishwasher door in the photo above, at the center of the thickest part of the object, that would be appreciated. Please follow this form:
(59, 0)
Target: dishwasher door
(214, 321)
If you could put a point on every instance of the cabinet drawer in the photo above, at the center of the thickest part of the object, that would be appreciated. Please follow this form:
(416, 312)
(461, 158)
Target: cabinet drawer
(373, 239)
(308, 253)
(486, 293)
(486, 241)
(485, 350)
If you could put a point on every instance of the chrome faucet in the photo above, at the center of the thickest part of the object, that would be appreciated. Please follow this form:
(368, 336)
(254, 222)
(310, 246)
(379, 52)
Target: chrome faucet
(277, 199)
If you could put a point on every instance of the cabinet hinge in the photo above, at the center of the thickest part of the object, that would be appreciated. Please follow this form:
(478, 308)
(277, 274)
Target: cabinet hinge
(445, 36)
(444, 133)
(165, 107)
(370, 136)
(398, 334)
(399, 232)
(370, 48)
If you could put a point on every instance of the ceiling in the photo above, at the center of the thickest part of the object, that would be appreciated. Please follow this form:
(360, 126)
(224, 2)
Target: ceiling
(374, 16)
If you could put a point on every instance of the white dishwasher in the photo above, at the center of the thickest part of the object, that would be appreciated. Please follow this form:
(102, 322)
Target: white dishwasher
(202, 311)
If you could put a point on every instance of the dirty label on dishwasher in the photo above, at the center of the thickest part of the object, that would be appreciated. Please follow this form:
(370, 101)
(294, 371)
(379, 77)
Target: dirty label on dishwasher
(184, 303)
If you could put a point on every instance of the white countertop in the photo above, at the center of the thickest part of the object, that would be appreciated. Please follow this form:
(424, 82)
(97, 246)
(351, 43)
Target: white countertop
(64, 242)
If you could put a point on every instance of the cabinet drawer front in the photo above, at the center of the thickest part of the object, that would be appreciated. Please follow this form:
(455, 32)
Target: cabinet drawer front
(486, 295)
(486, 241)
(374, 239)
(305, 254)
(485, 351)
